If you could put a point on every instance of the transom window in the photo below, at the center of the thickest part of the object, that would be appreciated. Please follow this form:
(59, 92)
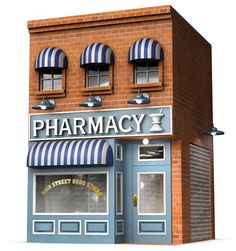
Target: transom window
(97, 75)
(50, 79)
(146, 72)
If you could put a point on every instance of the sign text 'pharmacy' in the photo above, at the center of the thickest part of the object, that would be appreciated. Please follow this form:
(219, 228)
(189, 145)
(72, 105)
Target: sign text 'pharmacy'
(102, 123)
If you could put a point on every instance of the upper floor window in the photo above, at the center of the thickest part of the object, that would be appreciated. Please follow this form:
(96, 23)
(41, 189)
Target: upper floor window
(97, 75)
(97, 59)
(50, 79)
(146, 55)
(51, 64)
(146, 72)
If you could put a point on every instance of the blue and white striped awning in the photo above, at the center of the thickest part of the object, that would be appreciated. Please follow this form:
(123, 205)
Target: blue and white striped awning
(145, 48)
(97, 53)
(51, 58)
(70, 153)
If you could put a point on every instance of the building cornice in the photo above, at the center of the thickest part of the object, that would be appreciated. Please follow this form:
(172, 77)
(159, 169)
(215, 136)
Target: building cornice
(100, 19)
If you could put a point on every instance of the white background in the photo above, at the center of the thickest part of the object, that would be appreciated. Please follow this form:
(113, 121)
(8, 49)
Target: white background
(215, 20)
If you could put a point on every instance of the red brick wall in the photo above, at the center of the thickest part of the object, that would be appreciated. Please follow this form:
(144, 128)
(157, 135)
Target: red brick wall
(192, 88)
(119, 30)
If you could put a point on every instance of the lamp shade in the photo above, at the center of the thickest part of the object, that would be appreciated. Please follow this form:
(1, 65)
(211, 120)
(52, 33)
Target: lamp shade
(214, 132)
(92, 102)
(46, 104)
(140, 98)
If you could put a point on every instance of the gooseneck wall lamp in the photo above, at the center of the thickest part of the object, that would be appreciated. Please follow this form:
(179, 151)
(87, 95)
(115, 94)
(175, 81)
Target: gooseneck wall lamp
(92, 102)
(140, 98)
(214, 132)
(45, 104)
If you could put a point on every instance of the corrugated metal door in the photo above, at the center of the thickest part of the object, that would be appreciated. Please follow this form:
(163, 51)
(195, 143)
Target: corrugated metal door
(200, 193)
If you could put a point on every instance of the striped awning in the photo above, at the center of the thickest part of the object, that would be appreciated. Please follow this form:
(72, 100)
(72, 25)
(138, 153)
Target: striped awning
(145, 48)
(51, 58)
(97, 53)
(70, 153)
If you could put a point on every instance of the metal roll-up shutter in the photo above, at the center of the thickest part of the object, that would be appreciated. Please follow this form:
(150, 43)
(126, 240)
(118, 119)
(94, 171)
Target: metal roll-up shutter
(200, 193)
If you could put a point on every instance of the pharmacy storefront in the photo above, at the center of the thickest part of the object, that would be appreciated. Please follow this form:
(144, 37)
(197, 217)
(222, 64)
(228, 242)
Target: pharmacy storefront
(92, 179)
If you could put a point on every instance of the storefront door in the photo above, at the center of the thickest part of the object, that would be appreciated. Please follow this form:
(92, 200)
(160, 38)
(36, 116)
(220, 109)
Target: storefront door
(148, 193)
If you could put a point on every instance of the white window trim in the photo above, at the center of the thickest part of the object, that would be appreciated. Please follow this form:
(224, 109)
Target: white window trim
(123, 227)
(121, 152)
(164, 233)
(69, 173)
(69, 233)
(43, 233)
(164, 192)
(122, 190)
(152, 145)
(102, 221)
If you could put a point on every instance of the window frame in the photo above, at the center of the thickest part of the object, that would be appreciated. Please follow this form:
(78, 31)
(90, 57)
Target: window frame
(52, 78)
(164, 192)
(51, 93)
(98, 75)
(120, 149)
(69, 173)
(121, 193)
(147, 71)
(152, 145)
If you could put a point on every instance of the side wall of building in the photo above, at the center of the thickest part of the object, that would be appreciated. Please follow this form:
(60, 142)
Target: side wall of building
(192, 115)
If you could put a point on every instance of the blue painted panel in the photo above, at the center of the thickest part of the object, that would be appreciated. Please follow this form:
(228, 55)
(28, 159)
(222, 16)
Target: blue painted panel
(43, 227)
(111, 123)
(165, 161)
(119, 227)
(132, 169)
(69, 227)
(151, 227)
(96, 227)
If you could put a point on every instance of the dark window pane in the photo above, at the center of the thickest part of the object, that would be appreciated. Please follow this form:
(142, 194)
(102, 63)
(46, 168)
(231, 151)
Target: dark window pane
(92, 70)
(153, 65)
(104, 69)
(92, 81)
(141, 78)
(151, 152)
(104, 80)
(141, 66)
(153, 77)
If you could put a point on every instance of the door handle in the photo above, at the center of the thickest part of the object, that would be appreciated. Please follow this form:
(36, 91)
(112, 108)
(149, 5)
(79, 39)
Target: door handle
(135, 200)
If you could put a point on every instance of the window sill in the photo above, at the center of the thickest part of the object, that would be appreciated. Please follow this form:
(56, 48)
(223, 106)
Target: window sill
(97, 90)
(51, 93)
(146, 86)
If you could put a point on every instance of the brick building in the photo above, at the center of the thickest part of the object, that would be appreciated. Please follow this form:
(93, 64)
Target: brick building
(122, 155)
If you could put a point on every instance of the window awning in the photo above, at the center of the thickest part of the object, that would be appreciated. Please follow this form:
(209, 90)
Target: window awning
(97, 53)
(145, 48)
(51, 58)
(70, 153)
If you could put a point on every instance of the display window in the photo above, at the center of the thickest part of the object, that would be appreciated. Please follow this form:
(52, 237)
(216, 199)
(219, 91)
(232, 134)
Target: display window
(80, 193)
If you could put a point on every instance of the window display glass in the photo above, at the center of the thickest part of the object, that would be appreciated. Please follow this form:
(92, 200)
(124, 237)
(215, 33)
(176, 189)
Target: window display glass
(81, 193)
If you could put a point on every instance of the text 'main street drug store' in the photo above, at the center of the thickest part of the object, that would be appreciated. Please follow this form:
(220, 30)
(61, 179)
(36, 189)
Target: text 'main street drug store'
(120, 149)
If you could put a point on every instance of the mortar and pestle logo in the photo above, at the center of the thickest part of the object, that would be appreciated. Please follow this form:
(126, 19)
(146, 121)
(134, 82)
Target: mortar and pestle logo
(156, 121)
